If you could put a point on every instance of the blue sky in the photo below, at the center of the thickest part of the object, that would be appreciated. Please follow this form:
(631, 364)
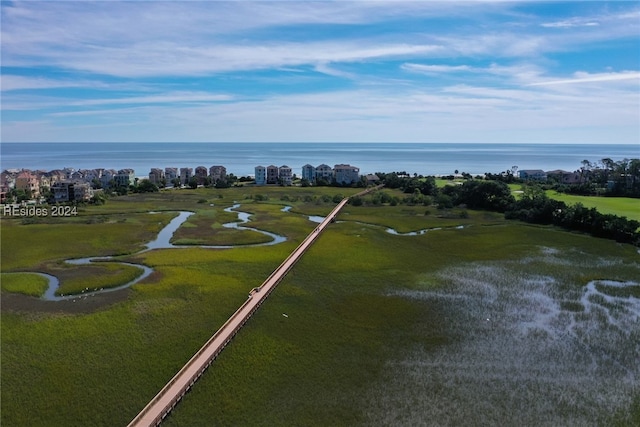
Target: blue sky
(363, 71)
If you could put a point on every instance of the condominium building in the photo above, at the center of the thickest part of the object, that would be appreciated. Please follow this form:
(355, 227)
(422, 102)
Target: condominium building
(272, 174)
(285, 175)
(201, 175)
(185, 175)
(309, 173)
(324, 172)
(260, 175)
(29, 183)
(170, 174)
(217, 173)
(346, 174)
(124, 177)
(156, 176)
(70, 191)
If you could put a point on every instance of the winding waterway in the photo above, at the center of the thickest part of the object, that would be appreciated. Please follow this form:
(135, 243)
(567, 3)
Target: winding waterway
(163, 241)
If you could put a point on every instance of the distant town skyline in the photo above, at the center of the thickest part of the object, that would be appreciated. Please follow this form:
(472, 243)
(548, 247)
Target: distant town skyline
(287, 71)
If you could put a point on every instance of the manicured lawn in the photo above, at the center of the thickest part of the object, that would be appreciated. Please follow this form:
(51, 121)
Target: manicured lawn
(621, 206)
(378, 327)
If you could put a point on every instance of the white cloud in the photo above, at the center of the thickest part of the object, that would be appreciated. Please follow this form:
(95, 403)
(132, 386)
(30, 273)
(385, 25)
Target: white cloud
(171, 97)
(570, 23)
(582, 77)
(15, 82)
(430, 69)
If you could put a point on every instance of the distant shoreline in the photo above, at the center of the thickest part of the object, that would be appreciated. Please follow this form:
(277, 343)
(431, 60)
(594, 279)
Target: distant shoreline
(241, 158)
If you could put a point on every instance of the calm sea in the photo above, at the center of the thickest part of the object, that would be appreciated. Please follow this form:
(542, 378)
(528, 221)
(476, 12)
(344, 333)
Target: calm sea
(241, 158)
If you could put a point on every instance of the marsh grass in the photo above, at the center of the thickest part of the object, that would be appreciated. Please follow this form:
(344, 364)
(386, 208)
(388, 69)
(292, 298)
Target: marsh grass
(24, 283)
(26, 246)
(86, 278)
(381, 329)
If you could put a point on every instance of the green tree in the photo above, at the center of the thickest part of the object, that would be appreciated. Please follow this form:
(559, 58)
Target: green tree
(146, 186)
(193, 182)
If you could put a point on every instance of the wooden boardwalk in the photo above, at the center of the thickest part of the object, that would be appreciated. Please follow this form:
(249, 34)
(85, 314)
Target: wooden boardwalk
(160, 406)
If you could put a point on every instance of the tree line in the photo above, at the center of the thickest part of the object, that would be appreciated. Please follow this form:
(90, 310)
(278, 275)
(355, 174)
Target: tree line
(534, 206)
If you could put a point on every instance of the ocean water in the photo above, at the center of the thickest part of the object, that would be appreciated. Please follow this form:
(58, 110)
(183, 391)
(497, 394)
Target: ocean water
(241, 158)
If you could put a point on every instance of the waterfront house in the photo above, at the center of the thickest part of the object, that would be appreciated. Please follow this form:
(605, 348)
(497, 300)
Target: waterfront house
(217, 173)
(272, 174)
(170, 174)
(346, 174)
(324, 172)
(185, 175)
(201, 175)
(56, 175)
(107, 180)
(285, 176)
(309, 173)
(564, 177)
(532, 175)
(8, 179)
(260, 175)
(156, 176)
(124, 177)
(70, 191)
(29, 183)
(372, 179)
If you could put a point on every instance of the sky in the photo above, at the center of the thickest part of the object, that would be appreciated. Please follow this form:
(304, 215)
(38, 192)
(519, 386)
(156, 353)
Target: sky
(320, 71)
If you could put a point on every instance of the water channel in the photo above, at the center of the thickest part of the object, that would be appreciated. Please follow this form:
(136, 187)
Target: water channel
(163, 241)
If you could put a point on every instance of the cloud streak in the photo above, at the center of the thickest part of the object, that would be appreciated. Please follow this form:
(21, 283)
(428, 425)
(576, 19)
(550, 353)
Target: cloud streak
(591, 78)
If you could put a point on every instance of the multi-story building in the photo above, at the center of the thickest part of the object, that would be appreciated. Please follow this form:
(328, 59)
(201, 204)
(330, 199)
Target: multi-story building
(346, 174)
(68, 172)
(324, 172)
(29, 183)
(70, 191)
(82, 191)
(43, 180)
(107, 180)
(285, 175)
(272, 174)
(185, 175)
(57, 175)
(217, 173)
(201, 175)
(533, 174)
(124, 177)
(157, 176)
(260, 175)
(170, 174)
(308, 173)
(565, 177)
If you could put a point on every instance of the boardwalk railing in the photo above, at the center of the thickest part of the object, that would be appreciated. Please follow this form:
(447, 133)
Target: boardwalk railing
(167, 398)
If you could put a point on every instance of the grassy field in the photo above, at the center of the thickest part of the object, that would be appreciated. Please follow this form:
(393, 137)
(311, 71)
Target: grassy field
(23, 283)
(380, 329)
(621, 206)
